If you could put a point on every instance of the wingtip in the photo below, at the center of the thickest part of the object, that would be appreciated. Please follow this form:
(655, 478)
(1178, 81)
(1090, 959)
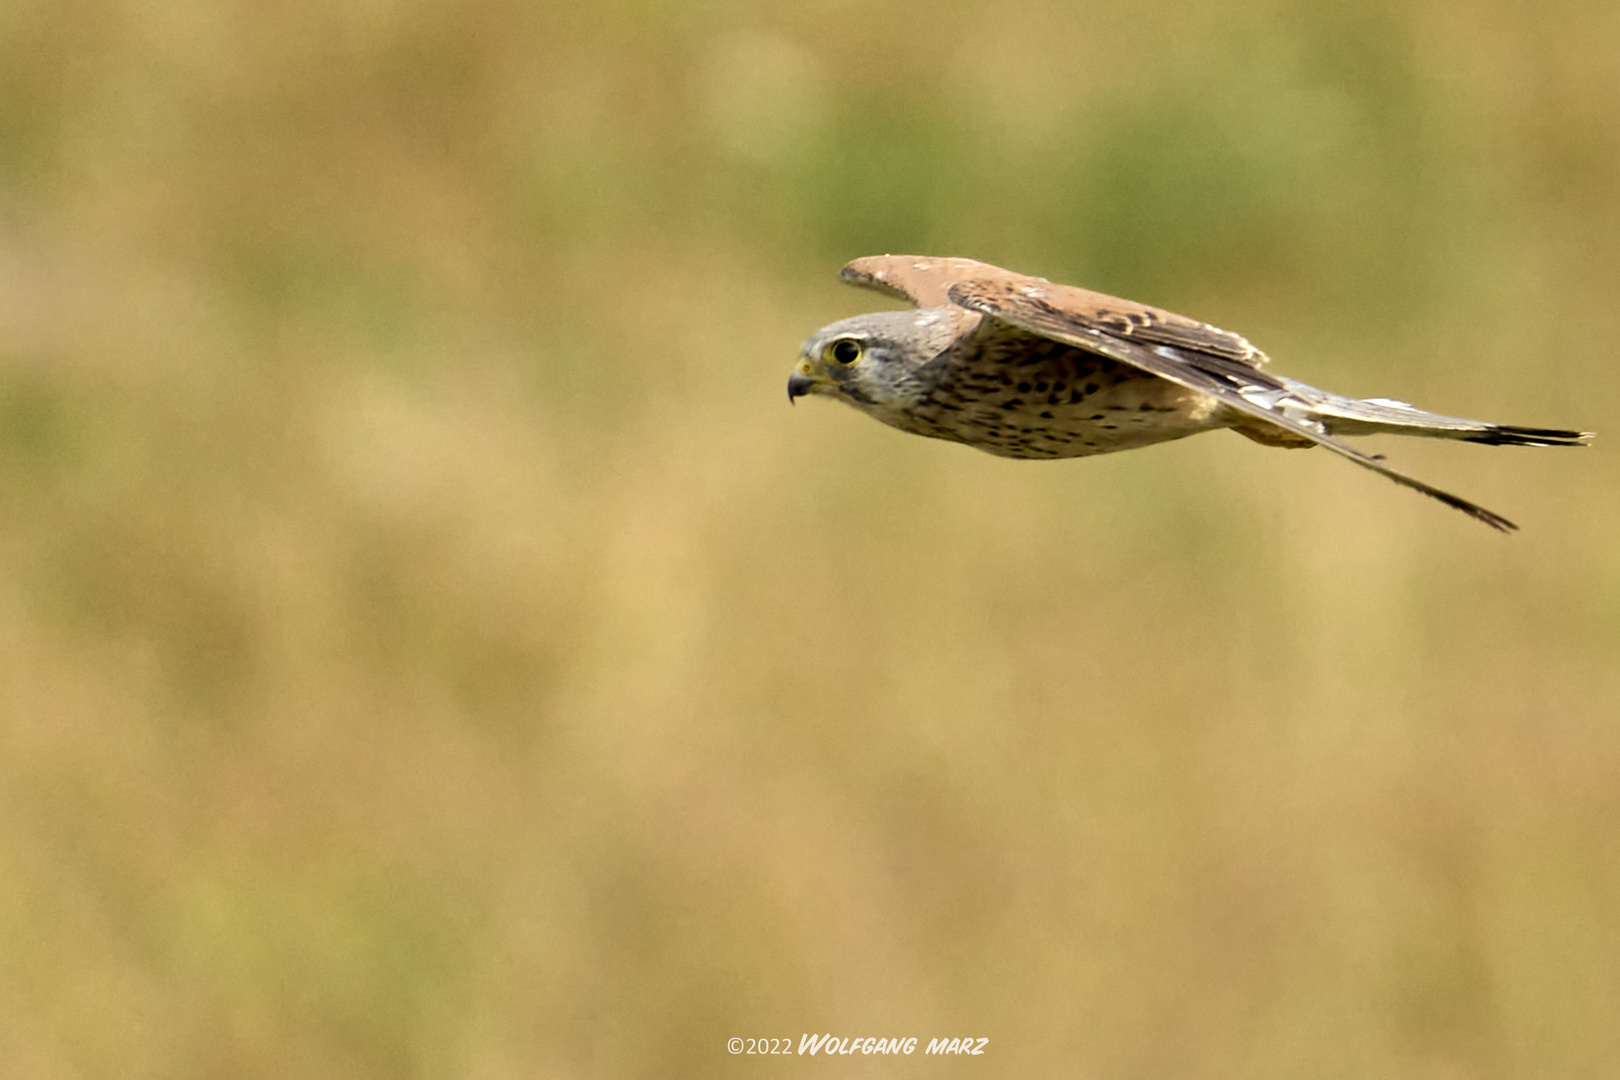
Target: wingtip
(874, 272)
(1473, 510)
(1497, 522)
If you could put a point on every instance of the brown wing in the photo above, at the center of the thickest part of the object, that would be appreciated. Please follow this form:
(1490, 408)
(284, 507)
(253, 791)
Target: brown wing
(1073, 316)
(920, 279)
(927, 281)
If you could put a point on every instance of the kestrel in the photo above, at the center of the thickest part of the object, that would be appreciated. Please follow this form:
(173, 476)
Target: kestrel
(1025, 368)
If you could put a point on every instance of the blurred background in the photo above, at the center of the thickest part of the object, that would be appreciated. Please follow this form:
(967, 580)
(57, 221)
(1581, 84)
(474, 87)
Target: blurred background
(430, 646)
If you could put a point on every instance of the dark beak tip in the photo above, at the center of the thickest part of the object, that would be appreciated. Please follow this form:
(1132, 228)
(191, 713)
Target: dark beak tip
(798, 386)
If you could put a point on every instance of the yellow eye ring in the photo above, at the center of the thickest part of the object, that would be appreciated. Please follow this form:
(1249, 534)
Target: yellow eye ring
(845, 351)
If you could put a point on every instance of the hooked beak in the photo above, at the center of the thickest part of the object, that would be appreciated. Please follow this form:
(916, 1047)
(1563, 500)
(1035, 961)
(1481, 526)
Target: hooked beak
(799, 385)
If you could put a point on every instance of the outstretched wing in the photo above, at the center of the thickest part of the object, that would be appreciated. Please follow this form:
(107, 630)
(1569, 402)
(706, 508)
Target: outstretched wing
(927, 282)
(1090, 321)
(923, 281)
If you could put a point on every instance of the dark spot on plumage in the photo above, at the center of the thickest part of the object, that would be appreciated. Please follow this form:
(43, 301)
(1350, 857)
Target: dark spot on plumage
(1024, 388)
(1041, 387)
(1059, 386)
(1092, 388)
(1054, 399)
(1076, 397)
(1046, 416)
(1095, 416)
(1013, 404)
(1145, 407)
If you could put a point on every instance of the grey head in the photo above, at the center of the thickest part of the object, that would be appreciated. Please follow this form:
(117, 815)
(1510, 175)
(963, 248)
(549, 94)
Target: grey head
(879, 363)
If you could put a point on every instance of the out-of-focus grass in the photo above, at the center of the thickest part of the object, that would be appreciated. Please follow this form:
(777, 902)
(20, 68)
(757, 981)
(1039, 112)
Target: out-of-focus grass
(429, 646)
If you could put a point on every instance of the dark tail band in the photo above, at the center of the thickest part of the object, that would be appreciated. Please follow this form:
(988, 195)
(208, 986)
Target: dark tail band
(1509, 435)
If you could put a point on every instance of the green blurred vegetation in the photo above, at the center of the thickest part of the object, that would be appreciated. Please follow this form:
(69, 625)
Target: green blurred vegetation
(430, 646)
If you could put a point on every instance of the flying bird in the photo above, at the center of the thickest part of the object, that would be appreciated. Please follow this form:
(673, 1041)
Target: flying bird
(1023, 367)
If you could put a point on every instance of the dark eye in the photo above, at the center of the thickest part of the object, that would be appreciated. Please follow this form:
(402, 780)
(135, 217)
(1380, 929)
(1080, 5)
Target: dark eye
(846, 351)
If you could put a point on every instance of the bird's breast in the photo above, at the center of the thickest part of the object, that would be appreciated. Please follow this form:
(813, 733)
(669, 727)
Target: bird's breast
(1059, 402)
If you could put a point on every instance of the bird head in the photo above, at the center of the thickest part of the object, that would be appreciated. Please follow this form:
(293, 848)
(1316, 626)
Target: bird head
(874, 362)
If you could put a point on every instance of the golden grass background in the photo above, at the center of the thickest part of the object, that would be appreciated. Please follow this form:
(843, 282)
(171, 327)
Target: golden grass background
(431, 647)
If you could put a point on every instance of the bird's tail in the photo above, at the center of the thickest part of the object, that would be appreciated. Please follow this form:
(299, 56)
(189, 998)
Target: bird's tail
(1354, 416)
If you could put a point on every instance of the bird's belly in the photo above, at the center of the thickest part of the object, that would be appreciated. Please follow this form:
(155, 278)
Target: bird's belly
(1042, 415)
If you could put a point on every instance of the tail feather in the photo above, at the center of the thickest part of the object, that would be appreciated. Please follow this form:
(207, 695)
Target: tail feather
(1510, 435)
(1341, 415)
